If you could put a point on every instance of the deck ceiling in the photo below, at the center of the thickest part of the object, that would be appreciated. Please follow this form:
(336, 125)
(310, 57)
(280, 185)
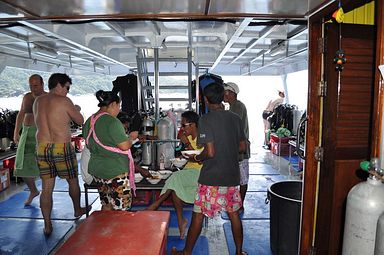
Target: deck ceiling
(257, 37)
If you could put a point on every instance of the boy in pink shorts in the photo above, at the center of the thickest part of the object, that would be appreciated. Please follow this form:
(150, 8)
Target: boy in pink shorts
(222, 135)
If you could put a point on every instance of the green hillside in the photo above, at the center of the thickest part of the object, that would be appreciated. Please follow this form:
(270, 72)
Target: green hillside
(14, 82)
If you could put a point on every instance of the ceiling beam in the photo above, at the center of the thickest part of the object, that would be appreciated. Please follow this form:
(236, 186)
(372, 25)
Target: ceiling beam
(244, 24)
(264, 33)
(120, 31)
(278, 60)
(71, 43)
(298, 31)
(13, 35)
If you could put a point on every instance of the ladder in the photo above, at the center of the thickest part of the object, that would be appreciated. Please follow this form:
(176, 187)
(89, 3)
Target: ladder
(153, 95)
(145, 88)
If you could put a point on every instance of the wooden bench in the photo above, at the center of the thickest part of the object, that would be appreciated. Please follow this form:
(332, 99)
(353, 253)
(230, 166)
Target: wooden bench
(120, 232)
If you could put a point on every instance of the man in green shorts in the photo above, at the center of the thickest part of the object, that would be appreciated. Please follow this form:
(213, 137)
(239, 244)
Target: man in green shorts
(25, 165)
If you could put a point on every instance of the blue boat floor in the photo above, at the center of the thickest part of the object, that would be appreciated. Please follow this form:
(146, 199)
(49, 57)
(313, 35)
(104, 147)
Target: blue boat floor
(265, 168)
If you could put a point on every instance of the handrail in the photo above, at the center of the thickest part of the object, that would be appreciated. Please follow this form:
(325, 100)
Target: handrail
(298, 151)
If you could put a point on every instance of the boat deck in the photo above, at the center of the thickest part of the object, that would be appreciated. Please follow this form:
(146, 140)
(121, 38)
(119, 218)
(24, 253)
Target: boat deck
(22, 227)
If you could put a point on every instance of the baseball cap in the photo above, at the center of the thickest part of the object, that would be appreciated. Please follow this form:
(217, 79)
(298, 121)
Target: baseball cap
(232, 87)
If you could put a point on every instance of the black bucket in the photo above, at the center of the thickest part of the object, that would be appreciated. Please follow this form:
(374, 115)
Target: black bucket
(285, 209)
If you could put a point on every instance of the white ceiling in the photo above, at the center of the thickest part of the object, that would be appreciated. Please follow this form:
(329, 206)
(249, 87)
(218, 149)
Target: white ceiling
(257, 37)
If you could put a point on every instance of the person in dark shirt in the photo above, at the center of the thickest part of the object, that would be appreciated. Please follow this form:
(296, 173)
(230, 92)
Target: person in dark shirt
(230, 96)
(222, 135)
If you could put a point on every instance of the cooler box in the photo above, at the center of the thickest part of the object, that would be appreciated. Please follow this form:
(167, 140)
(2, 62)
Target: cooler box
(280, 149)
(279, 145)
(275, 138)
(5, 180)
(9, 163)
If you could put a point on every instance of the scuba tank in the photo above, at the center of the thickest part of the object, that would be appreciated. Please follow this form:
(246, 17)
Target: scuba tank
(365, 203)
(379, 244)
(147, 129)
(165, 150)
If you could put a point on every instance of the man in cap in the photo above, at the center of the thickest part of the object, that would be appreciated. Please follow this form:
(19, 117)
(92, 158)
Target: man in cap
(230, 96)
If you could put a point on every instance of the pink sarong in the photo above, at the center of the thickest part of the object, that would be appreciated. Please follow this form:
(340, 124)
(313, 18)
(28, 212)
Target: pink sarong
(210, 200)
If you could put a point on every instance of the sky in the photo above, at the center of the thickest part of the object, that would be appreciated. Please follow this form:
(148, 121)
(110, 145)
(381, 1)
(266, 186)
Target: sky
(257, 91)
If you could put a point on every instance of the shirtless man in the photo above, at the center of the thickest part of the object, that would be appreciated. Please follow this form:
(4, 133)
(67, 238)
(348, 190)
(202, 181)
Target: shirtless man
(55, 155)
(25, 165)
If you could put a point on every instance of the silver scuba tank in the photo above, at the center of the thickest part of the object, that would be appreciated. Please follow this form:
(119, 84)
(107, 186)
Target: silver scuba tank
(147, 129)
(365, 203)
(165, 150)
(379, 241)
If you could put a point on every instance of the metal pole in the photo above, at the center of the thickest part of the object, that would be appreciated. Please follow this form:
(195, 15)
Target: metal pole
(156, 73)
(140, 84)
(190, 65)
(285, 87)
(197, 90)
